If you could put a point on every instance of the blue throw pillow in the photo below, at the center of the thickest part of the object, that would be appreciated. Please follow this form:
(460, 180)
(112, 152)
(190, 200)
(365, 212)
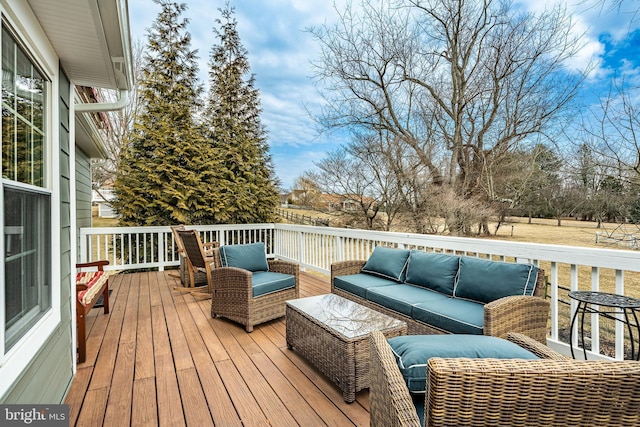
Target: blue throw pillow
(412, 353)
(252, 256)
(387, 262)
(483, 280)
(433, 271)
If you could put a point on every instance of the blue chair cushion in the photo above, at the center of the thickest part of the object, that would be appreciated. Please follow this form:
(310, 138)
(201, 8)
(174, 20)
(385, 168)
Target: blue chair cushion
(387, 262)
(484, 280)
(266, 282)
(252, 256)
(358, 284)
(454, 315)
(413, 351)
(433, 271)
(401, 298)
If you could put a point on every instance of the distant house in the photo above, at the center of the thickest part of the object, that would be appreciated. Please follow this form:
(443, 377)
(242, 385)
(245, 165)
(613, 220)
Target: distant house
(102, 198)
(341, 202)
(53, 54)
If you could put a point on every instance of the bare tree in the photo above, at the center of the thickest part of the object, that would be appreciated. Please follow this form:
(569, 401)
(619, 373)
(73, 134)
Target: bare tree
(351, 179)
(118, 125)
(308, 193)
(461, 83)
(612, 129)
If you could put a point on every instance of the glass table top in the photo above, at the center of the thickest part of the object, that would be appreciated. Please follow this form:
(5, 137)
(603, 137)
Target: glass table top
(344, 316)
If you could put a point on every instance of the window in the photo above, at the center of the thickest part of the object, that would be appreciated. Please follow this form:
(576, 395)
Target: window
(27, 203)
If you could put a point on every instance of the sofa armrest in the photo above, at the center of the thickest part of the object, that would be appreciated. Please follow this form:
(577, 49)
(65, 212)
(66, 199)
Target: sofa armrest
(540, 350)
(497, 392)
(344, 268)
(527, 315)
(389, 399)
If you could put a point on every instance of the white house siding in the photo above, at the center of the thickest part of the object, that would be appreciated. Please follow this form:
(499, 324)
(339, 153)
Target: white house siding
(49, 372)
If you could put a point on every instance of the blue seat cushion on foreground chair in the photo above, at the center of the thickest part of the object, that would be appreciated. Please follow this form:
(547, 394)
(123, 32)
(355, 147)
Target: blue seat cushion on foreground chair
(412, 352)
(266, 282)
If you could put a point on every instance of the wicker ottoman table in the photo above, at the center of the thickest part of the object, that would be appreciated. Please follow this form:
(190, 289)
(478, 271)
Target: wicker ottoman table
(332, 333)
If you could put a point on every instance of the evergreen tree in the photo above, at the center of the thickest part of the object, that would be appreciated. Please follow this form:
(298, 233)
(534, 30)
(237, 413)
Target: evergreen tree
(246, 177)
(165, 173)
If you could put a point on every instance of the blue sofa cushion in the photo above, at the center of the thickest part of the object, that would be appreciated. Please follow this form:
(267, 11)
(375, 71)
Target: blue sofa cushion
(401, 297)
(358, 284)
(454, 315)
(484, 280)
(252, 256)
(387, 262)
(413, 351)
(433, 271)
(266, 282)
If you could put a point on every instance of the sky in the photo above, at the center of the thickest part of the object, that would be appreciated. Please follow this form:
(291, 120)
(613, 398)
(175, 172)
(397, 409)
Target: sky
(280, 52)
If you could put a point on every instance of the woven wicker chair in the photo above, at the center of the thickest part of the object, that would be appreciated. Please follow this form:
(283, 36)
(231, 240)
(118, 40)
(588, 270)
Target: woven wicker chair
(199, 262)
(233, 295)
(554, 391)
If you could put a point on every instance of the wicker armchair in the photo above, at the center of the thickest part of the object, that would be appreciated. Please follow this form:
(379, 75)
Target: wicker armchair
(233, 295)
(554, 391)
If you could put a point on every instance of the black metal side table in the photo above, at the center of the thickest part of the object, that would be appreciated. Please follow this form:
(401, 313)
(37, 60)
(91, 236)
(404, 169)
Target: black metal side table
(586, 300)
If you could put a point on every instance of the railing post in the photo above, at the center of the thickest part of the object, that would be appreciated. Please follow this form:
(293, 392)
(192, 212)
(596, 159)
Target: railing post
(619, 334)
(301, 250)
(339, 248)
(83, 245)
(162, 250)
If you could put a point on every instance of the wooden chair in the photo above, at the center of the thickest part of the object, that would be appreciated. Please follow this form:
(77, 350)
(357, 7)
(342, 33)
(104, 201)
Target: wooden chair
(89, 286)
(188, 273)
(199, 261)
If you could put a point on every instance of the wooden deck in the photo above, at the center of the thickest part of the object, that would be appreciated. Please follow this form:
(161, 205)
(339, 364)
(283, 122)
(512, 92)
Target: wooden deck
(158, 358)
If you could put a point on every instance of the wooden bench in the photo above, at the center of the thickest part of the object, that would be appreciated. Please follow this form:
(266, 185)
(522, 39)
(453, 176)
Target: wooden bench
(89, 286)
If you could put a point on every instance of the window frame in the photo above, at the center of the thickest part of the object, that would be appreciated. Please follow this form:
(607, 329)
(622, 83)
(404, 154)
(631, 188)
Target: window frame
(28, 34)
(28, 320)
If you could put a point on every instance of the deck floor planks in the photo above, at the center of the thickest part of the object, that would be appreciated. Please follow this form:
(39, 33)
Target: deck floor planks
(210, 383)
(181, 356)
(325, 409)
(144, 407)
(273, 408)
(220, 405)
(196, 410)
(169, 412)
(178, 366)
(144, 367)
(121, 391)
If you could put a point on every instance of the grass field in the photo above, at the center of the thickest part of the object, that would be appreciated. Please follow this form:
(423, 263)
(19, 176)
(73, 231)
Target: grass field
(572, 232)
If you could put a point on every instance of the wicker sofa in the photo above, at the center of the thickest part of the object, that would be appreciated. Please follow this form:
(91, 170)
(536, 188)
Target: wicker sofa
(552, 391)
(442, 293)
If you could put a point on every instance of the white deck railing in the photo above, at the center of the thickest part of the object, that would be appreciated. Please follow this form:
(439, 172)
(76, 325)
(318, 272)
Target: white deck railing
(315, 248)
